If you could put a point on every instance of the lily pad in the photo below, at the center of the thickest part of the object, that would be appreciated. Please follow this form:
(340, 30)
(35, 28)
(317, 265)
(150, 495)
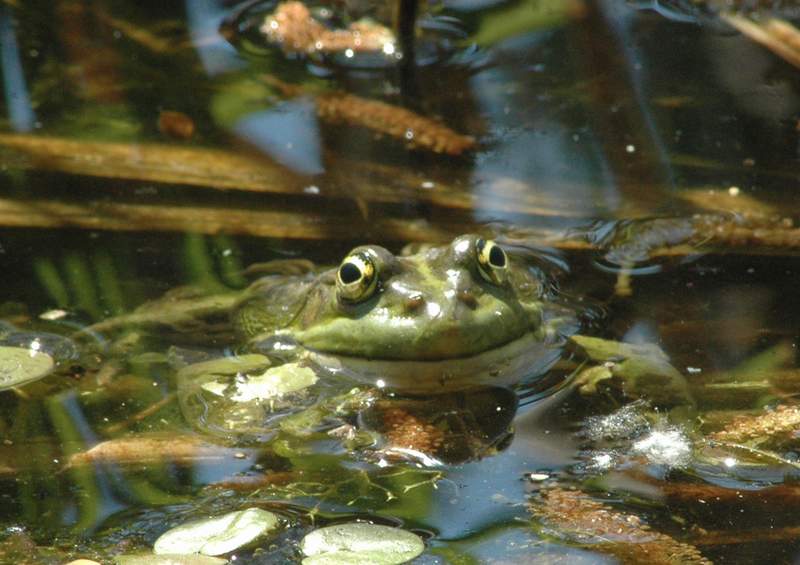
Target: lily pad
(216, 536)
(356, 543)
(19, 366)
(149, 559)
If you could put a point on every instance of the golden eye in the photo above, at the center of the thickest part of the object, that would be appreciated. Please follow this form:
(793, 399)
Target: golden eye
(492, 261)
(357, 277)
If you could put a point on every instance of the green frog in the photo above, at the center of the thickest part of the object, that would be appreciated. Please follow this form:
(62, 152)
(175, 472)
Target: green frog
(431, 319)
(441, 318)
(435, 318)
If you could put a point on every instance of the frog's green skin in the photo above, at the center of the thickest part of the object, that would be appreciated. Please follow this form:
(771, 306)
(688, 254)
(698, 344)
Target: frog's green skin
(433, 322)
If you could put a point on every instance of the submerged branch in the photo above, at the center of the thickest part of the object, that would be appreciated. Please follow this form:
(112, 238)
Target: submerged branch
(150, 162)
(243, 171)
(113, 216)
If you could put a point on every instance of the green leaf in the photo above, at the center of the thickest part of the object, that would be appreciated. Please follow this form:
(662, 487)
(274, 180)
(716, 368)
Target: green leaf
(517, 18)
(275, 382)
(216, 536)
(224, 366)
(19, 366)
(356, 543)
(644, 368)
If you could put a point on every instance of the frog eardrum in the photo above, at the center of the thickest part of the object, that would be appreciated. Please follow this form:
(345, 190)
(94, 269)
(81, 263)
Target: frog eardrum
(357, 277)
(492, 261)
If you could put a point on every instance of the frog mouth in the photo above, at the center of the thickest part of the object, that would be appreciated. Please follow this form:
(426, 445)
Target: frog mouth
(526, 357)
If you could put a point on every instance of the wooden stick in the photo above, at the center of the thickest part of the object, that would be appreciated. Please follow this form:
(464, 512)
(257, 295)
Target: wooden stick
(246, 171)
(115, 216)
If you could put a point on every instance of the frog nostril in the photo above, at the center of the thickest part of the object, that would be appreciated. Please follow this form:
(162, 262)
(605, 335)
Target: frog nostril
(468, 298)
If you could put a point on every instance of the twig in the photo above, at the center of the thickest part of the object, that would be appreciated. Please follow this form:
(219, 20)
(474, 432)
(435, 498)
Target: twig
(143, 414)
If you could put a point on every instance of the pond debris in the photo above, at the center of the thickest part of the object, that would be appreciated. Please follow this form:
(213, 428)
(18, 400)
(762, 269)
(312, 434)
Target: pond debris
(293, 27)
(413, 129)
(573, 515)
(782, 421)
(717, 200)
(405, 430)
(18, 546)
(154, 448)
(746, 231)
(175, 125)
(629, 244)
(633, 242)
(143, 414)
(681, 493)
(387, 119)
(252, 481)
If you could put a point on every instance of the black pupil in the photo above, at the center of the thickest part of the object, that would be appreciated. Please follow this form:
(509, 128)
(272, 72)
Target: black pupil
(349, 273)
(496, 257)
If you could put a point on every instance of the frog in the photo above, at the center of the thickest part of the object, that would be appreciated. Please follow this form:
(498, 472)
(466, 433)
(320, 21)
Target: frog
(473, 312)
(435, 319)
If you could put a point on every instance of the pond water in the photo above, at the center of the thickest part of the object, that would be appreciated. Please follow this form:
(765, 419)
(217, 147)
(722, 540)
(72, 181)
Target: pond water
(153, 146)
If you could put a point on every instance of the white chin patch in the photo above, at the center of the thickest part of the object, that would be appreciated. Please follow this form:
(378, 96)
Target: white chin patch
(525, 357)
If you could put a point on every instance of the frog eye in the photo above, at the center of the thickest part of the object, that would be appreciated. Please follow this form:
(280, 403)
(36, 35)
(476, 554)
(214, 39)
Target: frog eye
(357, 277)
(492, 261)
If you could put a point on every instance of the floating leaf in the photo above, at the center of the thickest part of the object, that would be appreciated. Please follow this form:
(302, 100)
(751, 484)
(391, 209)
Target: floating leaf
(275, 382)
(215, 387)
(193, 559)
(20, 366)
(216, 536)
(644, 368)
(357, 543)
(224, 366)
